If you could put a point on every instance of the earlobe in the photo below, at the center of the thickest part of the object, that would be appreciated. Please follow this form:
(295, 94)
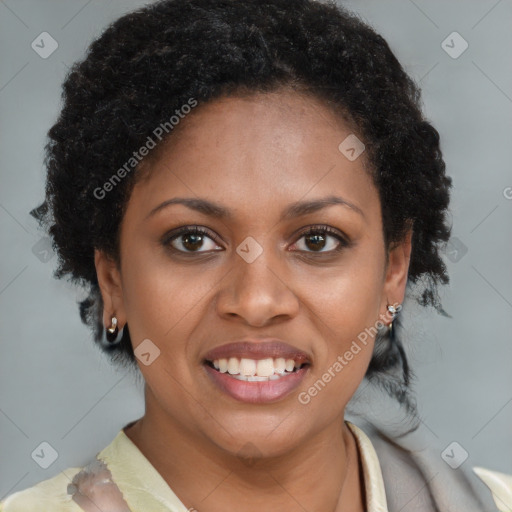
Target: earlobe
(109, 280)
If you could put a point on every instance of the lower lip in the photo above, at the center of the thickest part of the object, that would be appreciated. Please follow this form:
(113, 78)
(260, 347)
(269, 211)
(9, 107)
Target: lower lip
(257, 392)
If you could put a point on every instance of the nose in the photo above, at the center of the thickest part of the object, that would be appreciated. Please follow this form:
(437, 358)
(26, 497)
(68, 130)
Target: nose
(258, 293)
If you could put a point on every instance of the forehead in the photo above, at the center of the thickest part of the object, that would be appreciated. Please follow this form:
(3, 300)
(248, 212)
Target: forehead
(256, 153)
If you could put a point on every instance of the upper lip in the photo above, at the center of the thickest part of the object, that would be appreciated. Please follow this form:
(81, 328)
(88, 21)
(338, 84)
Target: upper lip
(258, 349)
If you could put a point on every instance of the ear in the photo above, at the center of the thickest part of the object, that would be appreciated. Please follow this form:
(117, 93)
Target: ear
(109, 280)
(395, 282)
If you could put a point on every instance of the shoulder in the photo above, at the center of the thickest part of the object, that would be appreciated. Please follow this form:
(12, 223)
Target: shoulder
(47, 496)
(500, 485)
(415, 473)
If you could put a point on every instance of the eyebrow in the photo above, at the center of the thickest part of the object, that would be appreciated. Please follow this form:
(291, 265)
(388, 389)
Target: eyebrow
(296, 209)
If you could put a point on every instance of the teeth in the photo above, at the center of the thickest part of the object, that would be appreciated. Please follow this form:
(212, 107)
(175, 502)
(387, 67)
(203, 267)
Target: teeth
(247, 367)
(256, 378)
(233, 366)
(240, 377)
(265, 367)
(279, 365)
(253, 370)
(223, 365)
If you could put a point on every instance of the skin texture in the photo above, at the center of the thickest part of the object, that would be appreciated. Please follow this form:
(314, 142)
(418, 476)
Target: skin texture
(254, 156)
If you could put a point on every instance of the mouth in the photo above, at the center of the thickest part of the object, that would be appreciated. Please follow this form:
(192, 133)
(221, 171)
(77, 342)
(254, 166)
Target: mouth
(255, 372)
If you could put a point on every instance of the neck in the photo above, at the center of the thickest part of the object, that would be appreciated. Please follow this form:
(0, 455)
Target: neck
(322, 474)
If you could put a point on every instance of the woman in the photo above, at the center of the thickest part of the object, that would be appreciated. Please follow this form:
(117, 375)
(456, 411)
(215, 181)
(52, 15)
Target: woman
(249, 189)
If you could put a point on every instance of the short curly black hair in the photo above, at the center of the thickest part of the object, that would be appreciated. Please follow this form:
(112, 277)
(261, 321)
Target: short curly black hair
(149, 63)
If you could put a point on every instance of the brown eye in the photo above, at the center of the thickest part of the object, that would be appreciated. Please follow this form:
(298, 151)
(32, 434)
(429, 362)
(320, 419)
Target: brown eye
(321, 239)
(191, 240)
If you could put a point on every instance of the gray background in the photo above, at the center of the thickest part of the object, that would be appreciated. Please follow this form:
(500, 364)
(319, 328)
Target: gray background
(56, 387)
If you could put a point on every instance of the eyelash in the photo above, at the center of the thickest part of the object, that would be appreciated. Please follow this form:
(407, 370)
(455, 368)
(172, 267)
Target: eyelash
(311, 230)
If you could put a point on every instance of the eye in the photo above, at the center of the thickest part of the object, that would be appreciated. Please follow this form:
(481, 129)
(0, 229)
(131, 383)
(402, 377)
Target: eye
(316, 238)
(189, 239)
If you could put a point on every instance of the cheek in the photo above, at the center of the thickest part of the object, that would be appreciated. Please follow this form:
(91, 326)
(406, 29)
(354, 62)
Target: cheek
(347, 321)
(164, 304)
(352, 311)
(345, 307)
(158, 296)
(348, 298)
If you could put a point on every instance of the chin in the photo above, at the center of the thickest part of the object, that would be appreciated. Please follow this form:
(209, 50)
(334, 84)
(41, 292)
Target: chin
(258, 435)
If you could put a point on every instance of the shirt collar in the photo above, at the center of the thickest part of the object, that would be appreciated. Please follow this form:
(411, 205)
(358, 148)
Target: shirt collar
(375, 492)
(143, 488)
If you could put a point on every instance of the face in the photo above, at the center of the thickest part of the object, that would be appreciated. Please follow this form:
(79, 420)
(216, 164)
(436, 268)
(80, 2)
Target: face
(254, 289)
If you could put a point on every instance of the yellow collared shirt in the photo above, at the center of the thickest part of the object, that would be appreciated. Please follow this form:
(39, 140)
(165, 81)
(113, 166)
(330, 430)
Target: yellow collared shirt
(126, 478)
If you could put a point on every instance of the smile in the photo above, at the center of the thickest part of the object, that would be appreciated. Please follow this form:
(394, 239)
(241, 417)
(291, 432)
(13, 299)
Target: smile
(256, 370)
(256, 381)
